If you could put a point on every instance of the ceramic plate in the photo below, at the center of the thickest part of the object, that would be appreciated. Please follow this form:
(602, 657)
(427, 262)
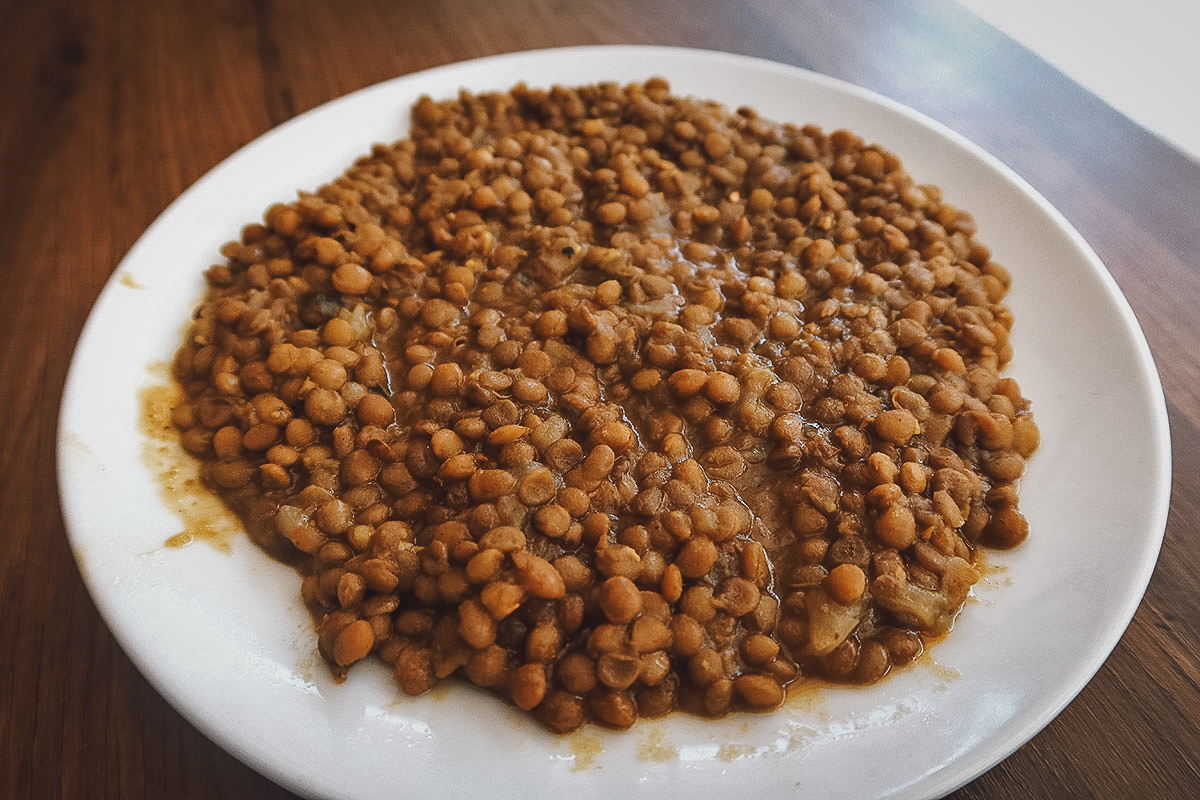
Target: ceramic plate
(217, 627)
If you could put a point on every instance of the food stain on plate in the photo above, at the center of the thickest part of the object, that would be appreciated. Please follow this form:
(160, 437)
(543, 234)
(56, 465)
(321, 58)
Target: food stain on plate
(653, 746)
(585, 748)
(131, 282)
(177, 476)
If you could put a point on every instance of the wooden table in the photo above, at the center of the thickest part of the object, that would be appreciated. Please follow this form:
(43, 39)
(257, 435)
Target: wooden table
(111, 109)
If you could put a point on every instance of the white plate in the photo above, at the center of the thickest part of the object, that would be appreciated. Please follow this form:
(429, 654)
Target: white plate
(220, 634)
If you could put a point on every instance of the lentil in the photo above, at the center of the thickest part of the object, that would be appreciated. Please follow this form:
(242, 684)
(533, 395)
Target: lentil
(611, 417)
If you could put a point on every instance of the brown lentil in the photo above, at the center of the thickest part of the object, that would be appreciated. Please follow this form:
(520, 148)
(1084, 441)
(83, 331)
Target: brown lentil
(623, 404)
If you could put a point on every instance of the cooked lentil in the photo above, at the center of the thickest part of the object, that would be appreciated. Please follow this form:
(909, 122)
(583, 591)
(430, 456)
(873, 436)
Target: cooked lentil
(615, 402)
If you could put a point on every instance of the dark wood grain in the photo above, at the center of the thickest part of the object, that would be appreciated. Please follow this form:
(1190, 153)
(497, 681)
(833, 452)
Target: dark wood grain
(108, 110)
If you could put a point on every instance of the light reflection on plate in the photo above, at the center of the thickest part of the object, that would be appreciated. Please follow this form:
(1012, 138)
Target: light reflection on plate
(220, 633)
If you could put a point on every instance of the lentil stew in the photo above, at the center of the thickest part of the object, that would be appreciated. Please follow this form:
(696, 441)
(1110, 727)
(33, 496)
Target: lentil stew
(615, 402)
